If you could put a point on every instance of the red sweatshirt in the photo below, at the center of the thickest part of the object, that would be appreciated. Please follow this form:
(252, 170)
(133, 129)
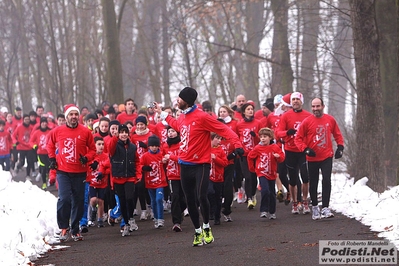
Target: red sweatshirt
(21, 136)
(124, 117)
(195, 129)
(262, 161)
(155, 178)
(136, 138)
(103, 167)
(243, 129)
(290, 120)
(71, 143)
(40, 138)
(5, 143)
(316, 133)
(172, 168)
(218, 164)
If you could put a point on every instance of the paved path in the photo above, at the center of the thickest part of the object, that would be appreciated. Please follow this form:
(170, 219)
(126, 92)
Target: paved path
(248, 240)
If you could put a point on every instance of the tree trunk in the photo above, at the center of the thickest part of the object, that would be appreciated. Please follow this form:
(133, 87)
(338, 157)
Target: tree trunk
(311, 21)
(114, 65)
(282, 75)
(369, 116)
(389, 68)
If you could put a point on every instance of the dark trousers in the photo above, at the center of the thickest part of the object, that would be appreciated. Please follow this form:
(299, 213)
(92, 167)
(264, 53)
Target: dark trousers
(268, 195)
(140, 195)
(228, 193)
(71, 191)
(30, 159)
(178, 201)
(314, 169)
(215, 190)
(5, 163)
(195, 180)
(44, 164)
(125, 194)
(250, 178)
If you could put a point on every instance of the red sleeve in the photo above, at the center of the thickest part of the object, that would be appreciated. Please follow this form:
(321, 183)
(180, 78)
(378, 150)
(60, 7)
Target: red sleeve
(112, 145)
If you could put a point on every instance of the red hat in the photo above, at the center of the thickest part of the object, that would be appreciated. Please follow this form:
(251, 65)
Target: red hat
(286, 99)
(70, 107)
(50, 114)
(297, 95)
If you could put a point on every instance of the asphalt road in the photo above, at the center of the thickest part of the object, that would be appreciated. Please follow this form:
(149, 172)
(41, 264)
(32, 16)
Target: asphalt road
(248, 240)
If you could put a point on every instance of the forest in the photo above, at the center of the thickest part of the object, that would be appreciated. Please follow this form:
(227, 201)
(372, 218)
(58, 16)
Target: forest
(55, 52)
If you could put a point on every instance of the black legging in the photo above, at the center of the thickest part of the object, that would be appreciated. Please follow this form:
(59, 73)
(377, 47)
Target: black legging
(250, 178)
(178, 201)
(326, 168)
(228, 189)
(125, 194)
(195, 180)
(44, 164)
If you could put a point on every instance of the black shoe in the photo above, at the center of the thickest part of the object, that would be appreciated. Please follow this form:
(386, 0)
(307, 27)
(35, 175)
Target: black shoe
(84, 229)
(216, 222)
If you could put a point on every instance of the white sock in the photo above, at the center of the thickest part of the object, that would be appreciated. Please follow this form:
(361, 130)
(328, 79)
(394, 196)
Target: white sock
(198, 230)
(205, 226)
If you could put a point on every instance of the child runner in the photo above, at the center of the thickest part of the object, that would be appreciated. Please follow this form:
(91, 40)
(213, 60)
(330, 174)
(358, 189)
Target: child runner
(38, 141)
(98, 174)
(125, 169)
(155, 178)
(215, 189)
(263, 161)
(171, 149)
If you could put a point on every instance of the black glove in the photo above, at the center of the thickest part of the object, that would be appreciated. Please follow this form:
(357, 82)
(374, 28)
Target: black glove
(271, 141)
(146, 168)
(291, 132)
(339, 152)
(231, 156)
(93, 165)
(239, 151)
(142, 145)
(53, 163)
(253, 134)
(99, 176)
(309, 152)
(83, 159)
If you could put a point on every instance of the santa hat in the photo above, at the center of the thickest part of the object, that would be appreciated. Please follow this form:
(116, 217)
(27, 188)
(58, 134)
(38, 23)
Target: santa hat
(96, 123)
(286, 100)
(297, 95)
(70, 107)
(50, 115)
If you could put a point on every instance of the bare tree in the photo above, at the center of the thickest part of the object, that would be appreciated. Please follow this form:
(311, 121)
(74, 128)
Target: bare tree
(369, 115)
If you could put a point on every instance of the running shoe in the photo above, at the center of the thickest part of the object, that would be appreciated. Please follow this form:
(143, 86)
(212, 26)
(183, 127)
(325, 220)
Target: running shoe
(64, 236)
(326, 213)
(306, 208)
(126, 230)
(132, 225)
(227, 218)
(198, 239)
(177, 228)
(251, 204)
(280, 196)
(77, 237)
(315, 213)
(295, 208)
(263, 215)
(207, 234)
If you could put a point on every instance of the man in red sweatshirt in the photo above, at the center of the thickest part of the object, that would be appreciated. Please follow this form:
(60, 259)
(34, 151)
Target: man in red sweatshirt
(314, 139)
(76, 148)
(195, 127)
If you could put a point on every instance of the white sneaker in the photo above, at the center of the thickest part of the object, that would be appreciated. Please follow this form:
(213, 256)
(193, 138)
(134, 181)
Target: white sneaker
(315, 213)
(132, 225)
(143, 215)
(326, 213)
(264, 214)
(126, 230)
(38, 177)
(227, 218)
(272, 216)
(185, 212)
(159, 223)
